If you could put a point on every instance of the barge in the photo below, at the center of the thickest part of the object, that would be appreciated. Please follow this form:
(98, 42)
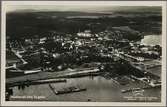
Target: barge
(67, 90)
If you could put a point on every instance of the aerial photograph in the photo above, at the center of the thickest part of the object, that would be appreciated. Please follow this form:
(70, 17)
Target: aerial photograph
(83, 53)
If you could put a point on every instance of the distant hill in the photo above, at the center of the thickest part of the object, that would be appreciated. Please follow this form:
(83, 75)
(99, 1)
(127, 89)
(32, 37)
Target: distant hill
(27, 24)
(55, 13)
(84, 8)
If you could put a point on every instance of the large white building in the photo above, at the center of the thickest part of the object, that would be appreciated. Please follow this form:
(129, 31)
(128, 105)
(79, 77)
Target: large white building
(86, 33)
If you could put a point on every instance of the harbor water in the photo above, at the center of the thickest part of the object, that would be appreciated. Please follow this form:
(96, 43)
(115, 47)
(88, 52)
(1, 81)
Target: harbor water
(98, 89)
(152, 40)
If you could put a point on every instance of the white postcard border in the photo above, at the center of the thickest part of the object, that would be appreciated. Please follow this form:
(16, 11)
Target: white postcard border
(105, 3)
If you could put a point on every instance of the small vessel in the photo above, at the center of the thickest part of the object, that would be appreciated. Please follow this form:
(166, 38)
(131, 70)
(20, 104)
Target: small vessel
(136, 89)
(67, 90)
(131, 89)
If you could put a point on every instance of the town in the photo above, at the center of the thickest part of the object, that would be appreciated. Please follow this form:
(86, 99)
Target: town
(114, 53)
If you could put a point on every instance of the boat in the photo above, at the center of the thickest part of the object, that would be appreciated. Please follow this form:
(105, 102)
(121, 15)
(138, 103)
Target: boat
(69, 90)
(131, 89)
(136, 89)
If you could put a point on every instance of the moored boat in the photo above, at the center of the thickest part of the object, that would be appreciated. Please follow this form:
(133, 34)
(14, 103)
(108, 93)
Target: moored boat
(69, 90)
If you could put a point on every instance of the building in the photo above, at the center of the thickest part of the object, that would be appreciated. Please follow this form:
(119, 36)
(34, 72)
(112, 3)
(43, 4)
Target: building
(86, 33)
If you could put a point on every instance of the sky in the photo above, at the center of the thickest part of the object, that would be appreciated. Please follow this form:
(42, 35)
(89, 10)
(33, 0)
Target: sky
(80, 8)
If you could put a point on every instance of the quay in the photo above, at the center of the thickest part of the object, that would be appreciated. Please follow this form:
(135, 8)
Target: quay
(52, 75)
(27, 83)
